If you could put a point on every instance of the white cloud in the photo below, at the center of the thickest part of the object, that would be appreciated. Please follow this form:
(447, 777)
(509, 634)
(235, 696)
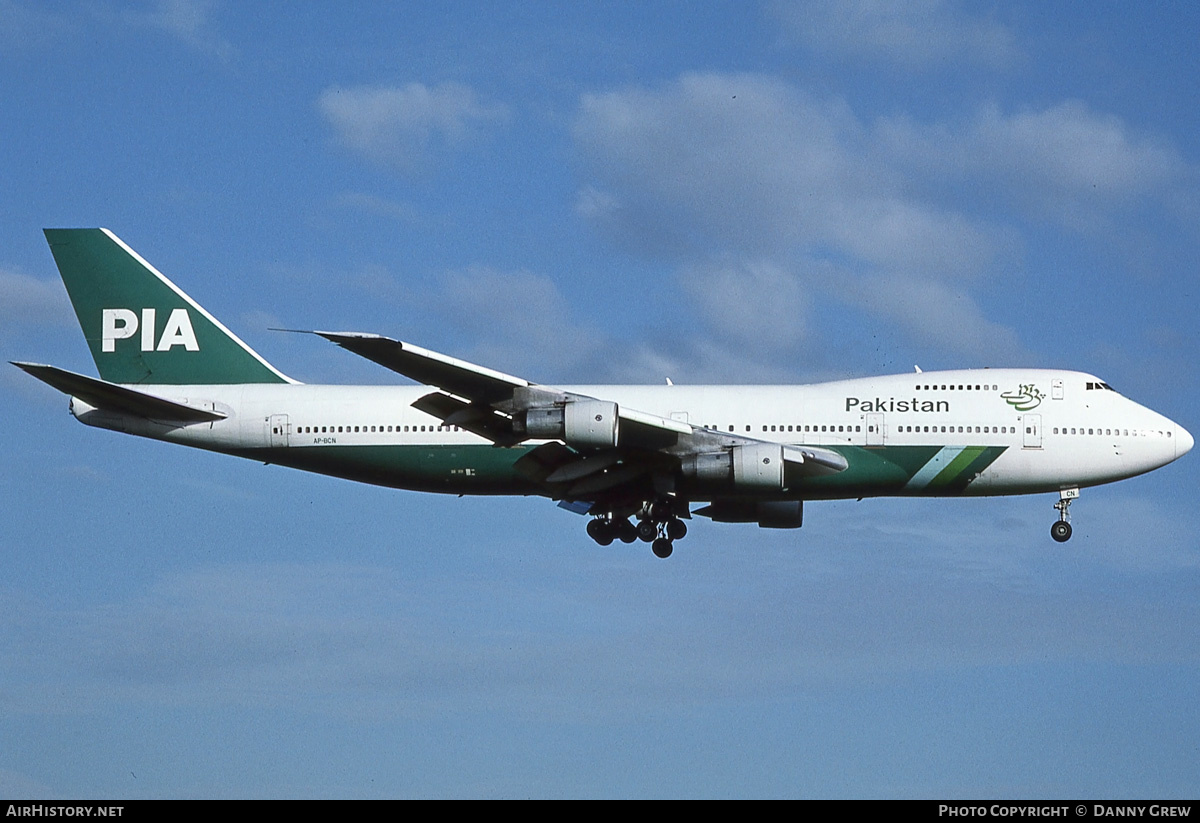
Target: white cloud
(1066, 161)
(741, 158)
(521, 320)
(886, 215)
(713, 168)
(916, 34)
(730, 298)
(397, 211)
(941, 316)
(713, 162)
(188, 20)
(399, 125)
(28, 301)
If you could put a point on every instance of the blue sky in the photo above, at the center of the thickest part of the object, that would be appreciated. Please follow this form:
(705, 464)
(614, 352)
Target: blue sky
(599, 192)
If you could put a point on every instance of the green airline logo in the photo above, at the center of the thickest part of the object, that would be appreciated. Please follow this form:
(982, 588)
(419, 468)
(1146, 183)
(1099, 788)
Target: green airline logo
(1026, 397)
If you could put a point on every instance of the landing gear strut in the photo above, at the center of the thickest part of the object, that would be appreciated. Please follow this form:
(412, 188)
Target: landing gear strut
(660, 526)
(1061, 529)
(657, 524)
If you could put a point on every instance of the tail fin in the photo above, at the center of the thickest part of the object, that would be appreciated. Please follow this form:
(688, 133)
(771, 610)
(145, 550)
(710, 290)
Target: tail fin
(140, 327)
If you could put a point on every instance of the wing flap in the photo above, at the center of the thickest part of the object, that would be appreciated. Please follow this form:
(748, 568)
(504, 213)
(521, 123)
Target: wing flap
(640, 430)
(475, 418)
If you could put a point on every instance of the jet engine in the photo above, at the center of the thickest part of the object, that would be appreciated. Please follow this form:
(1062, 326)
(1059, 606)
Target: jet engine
(583, 424)
(757, 466)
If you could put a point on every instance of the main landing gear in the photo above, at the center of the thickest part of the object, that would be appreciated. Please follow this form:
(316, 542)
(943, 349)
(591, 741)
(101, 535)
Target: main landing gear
(657, 525)
(1061, 530)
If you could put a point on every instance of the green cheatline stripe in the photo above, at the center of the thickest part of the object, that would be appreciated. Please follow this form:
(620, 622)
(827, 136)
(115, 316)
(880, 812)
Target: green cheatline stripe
(979, 464)
(947, 475)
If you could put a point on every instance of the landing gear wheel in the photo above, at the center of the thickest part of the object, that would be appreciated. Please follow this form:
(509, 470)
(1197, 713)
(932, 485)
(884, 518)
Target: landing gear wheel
(676, 529)
(1061, 531)
(647, 530)
(601, 531)
(662, 547)
(626, 531)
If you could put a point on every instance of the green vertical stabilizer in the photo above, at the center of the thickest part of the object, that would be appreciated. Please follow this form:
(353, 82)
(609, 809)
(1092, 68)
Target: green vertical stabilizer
(140, 327)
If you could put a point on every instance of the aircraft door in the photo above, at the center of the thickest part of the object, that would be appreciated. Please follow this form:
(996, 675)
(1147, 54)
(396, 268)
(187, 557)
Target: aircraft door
(1033, 431)
(277, 430)
(874, 424)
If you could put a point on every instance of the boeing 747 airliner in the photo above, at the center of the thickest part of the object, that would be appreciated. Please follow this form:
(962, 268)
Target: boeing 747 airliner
(634, 459)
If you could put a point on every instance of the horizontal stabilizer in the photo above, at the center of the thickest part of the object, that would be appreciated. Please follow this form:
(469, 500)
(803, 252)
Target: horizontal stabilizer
(114, 398)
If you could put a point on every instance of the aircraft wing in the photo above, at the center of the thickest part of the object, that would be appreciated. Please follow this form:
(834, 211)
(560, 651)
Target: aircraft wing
(598, 450)
(484, 392)
(450, 374)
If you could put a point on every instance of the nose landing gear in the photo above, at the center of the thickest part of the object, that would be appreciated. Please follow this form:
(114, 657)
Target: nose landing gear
(1061, 530)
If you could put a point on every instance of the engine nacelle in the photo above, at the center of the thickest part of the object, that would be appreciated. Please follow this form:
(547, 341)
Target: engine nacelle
(754, 466)
(584, 424)
(769, 514)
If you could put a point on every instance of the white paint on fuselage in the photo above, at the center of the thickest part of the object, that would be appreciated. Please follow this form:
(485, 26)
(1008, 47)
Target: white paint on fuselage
(1087, 436)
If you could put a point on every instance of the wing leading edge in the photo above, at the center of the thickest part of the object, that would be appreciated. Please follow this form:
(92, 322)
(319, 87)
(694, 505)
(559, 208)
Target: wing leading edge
(493, 404)
(602, 446)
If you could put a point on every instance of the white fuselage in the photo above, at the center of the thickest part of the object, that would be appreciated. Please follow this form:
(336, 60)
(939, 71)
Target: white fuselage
(1050, 430)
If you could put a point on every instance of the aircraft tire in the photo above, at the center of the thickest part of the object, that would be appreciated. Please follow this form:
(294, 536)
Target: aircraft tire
(676, 529)
(647, 530)
(601, 531)
(662, 547)
(1061, 531)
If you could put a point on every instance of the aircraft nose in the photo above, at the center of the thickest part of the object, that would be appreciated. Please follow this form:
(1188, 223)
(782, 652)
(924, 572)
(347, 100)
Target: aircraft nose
(1183, 441)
